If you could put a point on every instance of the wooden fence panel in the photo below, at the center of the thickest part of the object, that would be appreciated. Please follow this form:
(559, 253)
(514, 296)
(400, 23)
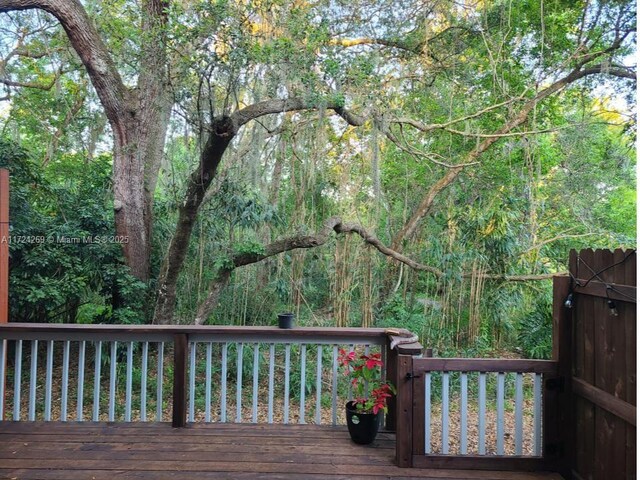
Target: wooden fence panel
(630, 272)
(604, 370)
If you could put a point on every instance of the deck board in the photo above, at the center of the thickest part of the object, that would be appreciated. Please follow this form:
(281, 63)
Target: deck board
(102, 451)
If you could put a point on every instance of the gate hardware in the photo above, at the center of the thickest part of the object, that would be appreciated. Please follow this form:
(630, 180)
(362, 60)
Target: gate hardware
(555, 384)
(409, 376)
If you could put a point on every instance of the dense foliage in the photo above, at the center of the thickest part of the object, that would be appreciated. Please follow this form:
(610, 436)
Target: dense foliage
(429, 82)
(63, 266)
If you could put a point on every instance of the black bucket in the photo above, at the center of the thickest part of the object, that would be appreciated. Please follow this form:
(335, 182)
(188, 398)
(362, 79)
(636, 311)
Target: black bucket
(363, 427)
(286, 320)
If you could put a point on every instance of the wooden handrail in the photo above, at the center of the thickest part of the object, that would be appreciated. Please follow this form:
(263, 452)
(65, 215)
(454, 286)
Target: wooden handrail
(13, 331)
(490, 365)
(191, 329)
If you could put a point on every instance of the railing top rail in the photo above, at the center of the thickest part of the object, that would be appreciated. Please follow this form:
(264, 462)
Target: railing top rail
(196, 332)
(487, 365)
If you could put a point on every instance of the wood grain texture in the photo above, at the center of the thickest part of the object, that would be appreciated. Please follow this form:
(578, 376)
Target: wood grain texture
(404, 411)
(563, 341)
(483, 365)
(630, 335)
(604, 363)
(103, 451)
(195, 329)
(612, 404)
(618, 291)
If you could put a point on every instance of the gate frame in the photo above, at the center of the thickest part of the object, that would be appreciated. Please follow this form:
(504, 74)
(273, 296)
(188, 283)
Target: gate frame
(557, 412)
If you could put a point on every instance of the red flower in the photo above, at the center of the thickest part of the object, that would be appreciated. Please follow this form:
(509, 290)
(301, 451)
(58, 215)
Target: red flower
(369, 391)
(346, 358)
(372, 361)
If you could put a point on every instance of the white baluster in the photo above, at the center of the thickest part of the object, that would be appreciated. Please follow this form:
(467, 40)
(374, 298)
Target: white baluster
(112, 381)
(80, 400)
(519, 401)
(256, 365)
(65, 381)
(33, 380)
(427, 413)
(160, 381)
(240, 348)
(272, 354)
(129, 383)
(500, 415)
(48, 388)
(16, 382)
(445, 413)
(143, 381)
(223, 384)
(464, 402)
(287, 369)
(207, 381)
(482, 413)
(192, 381)
(334, 386)
(319, 386)
(303, 381)
(96, 382)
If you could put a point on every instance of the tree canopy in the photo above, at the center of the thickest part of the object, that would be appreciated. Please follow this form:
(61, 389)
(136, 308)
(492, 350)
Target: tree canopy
(470, 143)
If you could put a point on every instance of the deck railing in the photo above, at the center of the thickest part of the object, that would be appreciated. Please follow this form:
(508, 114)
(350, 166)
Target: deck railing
(56, 372)
(466, 413)
(449, 392)
(457, 413)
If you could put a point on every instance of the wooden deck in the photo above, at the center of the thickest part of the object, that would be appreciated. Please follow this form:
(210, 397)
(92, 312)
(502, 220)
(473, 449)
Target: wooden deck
(96, 451)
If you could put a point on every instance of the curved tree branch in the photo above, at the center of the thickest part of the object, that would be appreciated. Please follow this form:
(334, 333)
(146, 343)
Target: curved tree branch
(416, 47)
(35, 85)
(269, 107)
(423, 127)
(398, 44)
(332, 225)
(515, 121)
(222, 132)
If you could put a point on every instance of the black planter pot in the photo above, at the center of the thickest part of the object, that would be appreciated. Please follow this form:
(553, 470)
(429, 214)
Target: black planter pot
(286, 320)
(363, 427)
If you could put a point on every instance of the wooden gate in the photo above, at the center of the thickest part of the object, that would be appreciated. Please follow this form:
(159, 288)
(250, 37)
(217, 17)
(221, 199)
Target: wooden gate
(603, 382)
(496, 414)
(581, 404)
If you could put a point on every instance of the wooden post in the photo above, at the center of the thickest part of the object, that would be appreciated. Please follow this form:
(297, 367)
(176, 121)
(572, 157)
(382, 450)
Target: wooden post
(404, 402)
(404, 411)
(4, 245)
(180, 347)
(558, 409)
(391, 372)
(4, 263)
(391, 356)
